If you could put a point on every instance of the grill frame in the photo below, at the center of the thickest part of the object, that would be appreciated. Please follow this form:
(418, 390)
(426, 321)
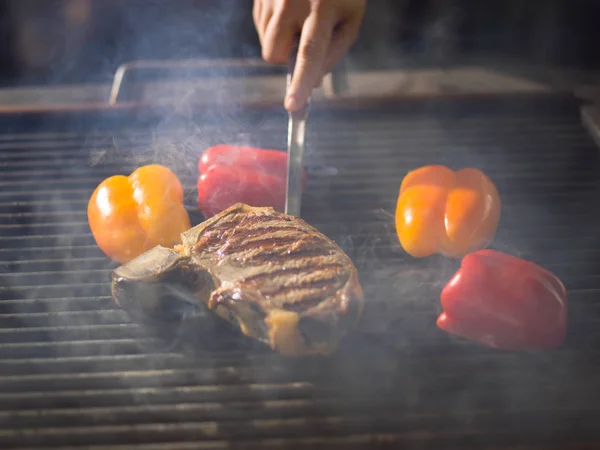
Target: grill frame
(107, 371)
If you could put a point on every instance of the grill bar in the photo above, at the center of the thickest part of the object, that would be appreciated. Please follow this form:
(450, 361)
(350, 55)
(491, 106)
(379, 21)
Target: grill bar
(75, 372)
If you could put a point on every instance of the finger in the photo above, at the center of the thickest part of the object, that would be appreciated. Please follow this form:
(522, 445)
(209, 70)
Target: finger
(312, 51)
(265, 19)
(267, 14)
(341, 41)
(262, 21)
(279, 39)
(319, 81)
(256, 12)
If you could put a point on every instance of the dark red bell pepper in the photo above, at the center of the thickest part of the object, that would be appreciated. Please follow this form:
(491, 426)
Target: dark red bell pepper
(232, 174)
(504, 302)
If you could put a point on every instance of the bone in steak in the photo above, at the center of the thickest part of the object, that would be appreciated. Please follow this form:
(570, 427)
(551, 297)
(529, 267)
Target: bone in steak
(273, 276)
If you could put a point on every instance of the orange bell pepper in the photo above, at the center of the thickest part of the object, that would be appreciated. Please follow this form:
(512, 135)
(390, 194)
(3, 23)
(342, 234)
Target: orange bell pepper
(446, 212)
(130, 215)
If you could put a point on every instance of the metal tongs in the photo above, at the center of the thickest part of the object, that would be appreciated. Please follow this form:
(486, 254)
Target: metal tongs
(296, 134)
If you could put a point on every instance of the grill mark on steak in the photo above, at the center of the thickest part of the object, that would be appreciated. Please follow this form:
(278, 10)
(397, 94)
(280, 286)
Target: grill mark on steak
(265, 221)
(240, 230)
(212, 239)
(255, 219)
(263, 243)
(272, 286)
(261, 231)
(259, 238)
(257, 278)
(227, 223)
(248, 233)
(273, 225)
(214, 236)
(291, 263)
(304, 293)
(298, 285)
(262, 256)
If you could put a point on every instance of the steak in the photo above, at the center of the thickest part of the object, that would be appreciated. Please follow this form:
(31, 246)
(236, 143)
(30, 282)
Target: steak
(272, 276)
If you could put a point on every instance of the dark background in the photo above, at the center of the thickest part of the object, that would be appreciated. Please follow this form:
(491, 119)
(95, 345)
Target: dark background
(78, 41)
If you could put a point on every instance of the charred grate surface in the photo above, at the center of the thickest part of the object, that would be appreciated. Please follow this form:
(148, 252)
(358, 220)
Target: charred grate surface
(75, 372)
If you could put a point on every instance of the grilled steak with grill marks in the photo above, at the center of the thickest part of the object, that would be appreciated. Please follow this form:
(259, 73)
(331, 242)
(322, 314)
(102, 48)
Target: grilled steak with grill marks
(273, 276)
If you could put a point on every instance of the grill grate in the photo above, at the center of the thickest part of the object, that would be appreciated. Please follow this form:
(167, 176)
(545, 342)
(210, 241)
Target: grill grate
(74, 371)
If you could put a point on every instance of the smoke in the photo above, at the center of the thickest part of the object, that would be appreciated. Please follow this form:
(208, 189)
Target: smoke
(55, 304)
(83, 41)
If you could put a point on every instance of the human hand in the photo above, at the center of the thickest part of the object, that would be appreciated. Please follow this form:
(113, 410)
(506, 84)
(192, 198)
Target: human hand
(327, 30)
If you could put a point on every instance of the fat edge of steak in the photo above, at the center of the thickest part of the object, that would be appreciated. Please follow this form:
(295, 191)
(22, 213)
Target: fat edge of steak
(272, 276)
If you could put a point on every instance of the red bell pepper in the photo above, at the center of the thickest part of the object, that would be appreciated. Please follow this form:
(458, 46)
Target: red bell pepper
(504, 302)
(269, 161)
(231, 174)
(223, 186)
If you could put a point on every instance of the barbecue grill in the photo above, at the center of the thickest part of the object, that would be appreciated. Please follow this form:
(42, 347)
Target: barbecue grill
(76, 372)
